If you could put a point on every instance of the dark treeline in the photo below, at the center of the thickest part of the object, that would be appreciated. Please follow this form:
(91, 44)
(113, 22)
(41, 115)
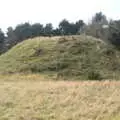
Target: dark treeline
(98, 27)
(27, 30)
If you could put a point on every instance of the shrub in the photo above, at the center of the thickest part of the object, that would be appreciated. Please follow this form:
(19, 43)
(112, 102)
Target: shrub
(94, 75)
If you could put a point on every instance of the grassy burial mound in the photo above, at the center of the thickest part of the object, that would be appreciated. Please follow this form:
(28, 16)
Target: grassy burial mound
(79, 57)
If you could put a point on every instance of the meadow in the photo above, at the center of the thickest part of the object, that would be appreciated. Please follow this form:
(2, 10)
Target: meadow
(35, 97)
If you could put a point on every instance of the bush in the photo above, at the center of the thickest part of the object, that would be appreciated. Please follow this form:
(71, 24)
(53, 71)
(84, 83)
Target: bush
(94, 75)
(114, 33)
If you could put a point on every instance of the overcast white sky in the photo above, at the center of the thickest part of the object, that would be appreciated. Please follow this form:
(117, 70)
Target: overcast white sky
(13, 12)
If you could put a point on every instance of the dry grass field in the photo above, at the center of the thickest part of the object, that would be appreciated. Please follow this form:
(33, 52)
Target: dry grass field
(34, 97)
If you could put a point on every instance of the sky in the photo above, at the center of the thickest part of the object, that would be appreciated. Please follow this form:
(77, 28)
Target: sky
(13, 12)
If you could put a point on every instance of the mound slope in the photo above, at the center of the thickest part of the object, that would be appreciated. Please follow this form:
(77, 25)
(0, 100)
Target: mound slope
(68, 57)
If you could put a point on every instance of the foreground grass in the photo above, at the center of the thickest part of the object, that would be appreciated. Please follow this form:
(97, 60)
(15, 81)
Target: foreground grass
(31, 97)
